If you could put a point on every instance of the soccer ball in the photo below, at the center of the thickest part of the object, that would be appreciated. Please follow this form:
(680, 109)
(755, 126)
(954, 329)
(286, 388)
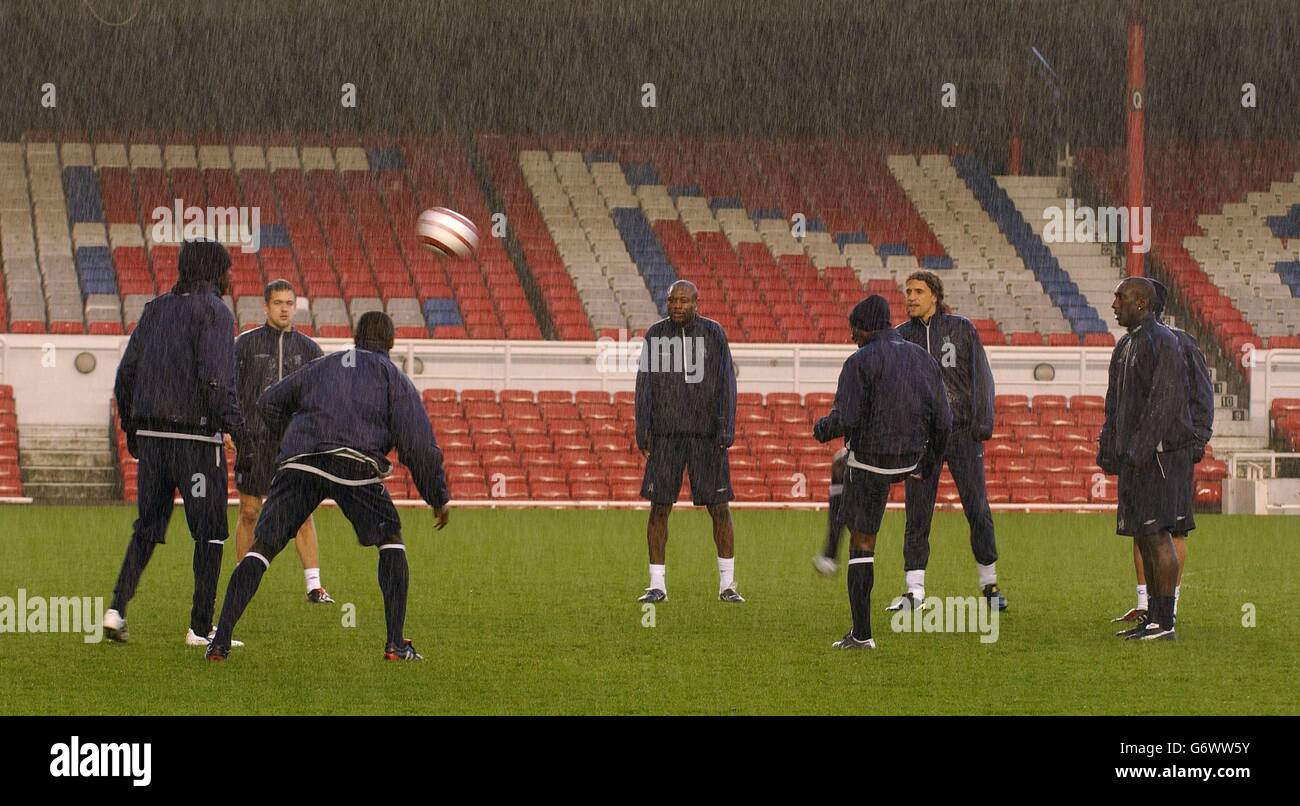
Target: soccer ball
(447, 233)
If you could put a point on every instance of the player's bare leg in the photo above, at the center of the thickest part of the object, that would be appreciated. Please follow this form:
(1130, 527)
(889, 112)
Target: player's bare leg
(1160, 560)
(861, 577)
(309, 556)
(1138, 612)
(657, 543)
(724, 538)
(250, 506)
(1180, 549)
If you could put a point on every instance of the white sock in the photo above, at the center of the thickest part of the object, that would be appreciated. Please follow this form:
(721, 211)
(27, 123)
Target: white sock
(657, 577)
(313, 578)
(916, 584)
(1142, 597)
(1178, 591)
(726, 573)
(988, 574)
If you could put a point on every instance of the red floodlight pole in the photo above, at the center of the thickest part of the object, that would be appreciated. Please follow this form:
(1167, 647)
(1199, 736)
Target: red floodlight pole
(1136, 142)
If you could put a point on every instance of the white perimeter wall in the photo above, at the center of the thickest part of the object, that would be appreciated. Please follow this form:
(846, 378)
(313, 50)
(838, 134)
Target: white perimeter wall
(50, 390)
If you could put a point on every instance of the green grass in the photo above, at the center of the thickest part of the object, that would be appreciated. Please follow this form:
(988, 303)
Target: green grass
(534, 612)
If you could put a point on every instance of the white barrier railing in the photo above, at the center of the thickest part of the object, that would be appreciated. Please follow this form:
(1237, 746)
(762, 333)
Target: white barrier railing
(51, 389)
(1252, 462)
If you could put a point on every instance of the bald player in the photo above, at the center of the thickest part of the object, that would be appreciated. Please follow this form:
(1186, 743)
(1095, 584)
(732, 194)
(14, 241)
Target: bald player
(1200, 397)
(686, 421)
(1148, 441)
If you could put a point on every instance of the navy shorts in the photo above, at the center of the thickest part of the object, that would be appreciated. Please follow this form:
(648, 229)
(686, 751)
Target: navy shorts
(254, 470)
(198, 470)
(295, 495)
(1157, 497)
(704, 462)
(862, 505)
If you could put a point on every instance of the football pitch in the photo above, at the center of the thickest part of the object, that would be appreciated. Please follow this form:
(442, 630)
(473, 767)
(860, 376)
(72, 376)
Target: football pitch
(534, 612)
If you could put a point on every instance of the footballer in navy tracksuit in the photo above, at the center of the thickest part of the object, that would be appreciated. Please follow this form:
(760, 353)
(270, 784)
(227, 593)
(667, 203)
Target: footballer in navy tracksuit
(175, 391)
(340, 416)
(1149, 441)
(264, 356)
(892, 411)
(686, 421)
(953, 342)
(1200, 401)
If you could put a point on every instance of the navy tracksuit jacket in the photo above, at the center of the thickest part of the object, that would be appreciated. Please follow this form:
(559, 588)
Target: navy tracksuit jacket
(890, 407)
(356, 400)
(675, 395)
(1147, 405)
(954, 343)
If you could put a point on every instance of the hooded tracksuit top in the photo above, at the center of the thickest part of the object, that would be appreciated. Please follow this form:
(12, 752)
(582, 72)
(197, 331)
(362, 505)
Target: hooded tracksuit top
(967, 376)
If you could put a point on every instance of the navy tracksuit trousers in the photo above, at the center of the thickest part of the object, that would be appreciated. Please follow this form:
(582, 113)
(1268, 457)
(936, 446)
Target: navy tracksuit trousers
(965, 458)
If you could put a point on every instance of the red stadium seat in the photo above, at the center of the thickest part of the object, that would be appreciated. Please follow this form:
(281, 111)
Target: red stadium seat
(1040, 447)
(1010, 402)
(1052, 465)
(565, 428)
(488, 425)
(590, 491)
(1045, 402)
(532, 444)
(1052, 418)
(1013, 464)
(750, 492)
(1087, 402)
(1068, 495)
(580, 475)
(559, 411)
(998, 447)
(1030, 495)
(545, 475)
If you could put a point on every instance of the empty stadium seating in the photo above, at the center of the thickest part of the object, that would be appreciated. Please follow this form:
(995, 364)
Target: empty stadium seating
(1223, 231)
(335, 219)
(781, 238)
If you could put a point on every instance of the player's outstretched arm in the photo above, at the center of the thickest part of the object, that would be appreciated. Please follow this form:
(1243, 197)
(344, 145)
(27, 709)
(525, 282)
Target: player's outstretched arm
(850, 398)
(417, 448)
(278, 403)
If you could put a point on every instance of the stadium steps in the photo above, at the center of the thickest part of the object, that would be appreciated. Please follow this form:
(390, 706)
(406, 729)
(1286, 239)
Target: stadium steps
(1064, 294)
(67, 464)
(1093, 267)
